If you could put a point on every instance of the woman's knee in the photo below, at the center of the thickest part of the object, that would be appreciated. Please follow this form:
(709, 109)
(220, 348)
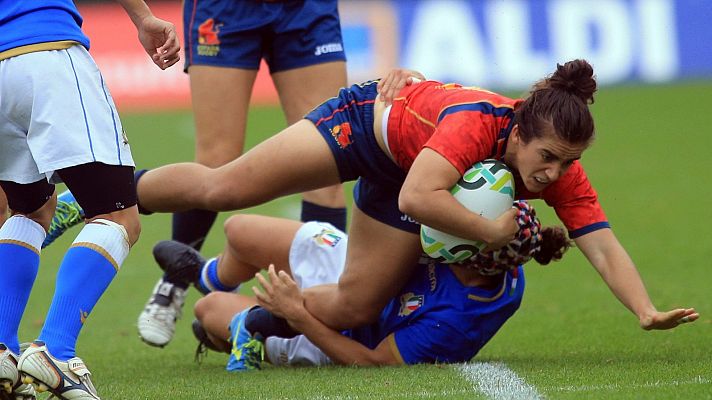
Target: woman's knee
(128, 219)
(35, 200)
(204, 305)
(234, 225)
(242, 244)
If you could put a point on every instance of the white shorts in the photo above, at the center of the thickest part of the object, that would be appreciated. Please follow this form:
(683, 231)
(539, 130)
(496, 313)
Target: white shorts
(318, 254)
(56, 112)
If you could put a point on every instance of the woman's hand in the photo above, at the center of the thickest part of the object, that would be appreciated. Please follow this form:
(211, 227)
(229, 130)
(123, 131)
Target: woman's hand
(389, 86)
(668, 320)
(282, 297)
(504, 230)
(159, 39)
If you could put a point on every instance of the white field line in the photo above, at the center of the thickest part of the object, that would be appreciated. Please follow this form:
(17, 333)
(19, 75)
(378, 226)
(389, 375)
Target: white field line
(412, 395)
(496, 381)
(698, 380)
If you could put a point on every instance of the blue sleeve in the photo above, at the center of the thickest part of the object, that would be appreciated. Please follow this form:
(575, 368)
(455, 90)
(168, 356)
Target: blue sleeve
(427, 341)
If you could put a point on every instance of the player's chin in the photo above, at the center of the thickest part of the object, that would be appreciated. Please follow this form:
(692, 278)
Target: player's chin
(535, 186)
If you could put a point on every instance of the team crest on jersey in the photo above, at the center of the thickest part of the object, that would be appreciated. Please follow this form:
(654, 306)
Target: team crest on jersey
(342, 134)
(327, 237)
(208, 40)
(83, 315)
(409, 303)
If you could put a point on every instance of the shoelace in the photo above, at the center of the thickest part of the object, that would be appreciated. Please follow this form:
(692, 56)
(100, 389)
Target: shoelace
(66, 216)
(187, 259)
(201, 352)
(255, 353)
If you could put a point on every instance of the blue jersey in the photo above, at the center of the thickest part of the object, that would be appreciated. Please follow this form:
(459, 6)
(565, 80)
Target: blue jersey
(26, 22)
(435, 318)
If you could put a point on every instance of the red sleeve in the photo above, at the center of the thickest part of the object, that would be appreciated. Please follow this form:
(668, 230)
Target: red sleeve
(464, 138)
(576, 202)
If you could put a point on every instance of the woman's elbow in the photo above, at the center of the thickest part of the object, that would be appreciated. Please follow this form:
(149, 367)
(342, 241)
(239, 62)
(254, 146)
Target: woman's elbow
(409, 203)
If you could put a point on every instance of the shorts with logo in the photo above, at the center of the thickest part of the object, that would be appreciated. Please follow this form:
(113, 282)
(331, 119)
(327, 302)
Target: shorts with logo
(346, 123)
(56, 112)
(288, 34)
(318, 254)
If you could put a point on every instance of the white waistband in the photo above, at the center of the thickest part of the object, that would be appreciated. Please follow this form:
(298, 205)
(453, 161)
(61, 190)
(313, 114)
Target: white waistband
(384, 129)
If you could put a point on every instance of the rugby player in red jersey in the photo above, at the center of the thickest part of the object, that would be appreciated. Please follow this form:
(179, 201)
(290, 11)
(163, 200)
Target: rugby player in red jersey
(405, 158)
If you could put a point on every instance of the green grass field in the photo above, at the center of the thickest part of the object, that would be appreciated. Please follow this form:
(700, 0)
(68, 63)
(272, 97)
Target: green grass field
(570, 340)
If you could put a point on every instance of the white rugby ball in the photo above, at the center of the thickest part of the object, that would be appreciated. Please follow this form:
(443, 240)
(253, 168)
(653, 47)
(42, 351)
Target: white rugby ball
(487, 188)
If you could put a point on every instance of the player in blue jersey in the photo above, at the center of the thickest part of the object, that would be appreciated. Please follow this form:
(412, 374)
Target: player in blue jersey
(444, 313)
(225, 41)
(58, 123)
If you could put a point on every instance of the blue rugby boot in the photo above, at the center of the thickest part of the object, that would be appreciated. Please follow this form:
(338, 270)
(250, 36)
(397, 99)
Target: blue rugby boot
(67, 214)
(247, 352)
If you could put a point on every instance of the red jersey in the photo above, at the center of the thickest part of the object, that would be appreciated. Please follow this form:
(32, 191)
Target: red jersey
(467, 125)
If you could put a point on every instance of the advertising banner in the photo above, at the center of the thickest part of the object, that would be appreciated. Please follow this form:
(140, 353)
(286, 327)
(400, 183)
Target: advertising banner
(498, 44)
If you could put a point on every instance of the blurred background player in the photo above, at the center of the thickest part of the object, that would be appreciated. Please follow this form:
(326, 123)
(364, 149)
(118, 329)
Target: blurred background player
(469, 302)
(58, 123)
(225, 42)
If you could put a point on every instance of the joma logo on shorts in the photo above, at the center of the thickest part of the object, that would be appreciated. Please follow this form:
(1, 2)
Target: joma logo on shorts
(409, 219)
(328, 48)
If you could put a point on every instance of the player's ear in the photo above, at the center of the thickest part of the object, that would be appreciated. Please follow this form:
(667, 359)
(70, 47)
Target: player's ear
(514, 135)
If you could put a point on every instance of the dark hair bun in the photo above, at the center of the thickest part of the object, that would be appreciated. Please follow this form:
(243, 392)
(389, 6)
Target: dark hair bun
(575, 77)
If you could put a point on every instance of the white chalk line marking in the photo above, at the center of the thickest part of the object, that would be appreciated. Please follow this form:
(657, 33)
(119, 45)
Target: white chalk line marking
(496, 381)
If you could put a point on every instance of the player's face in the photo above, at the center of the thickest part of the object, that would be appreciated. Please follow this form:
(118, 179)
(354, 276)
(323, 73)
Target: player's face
(541, 161)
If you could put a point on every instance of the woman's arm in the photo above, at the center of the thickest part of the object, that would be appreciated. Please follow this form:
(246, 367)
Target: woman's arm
(158, 37)
(425, 196)
(282, 297)
(612, 262)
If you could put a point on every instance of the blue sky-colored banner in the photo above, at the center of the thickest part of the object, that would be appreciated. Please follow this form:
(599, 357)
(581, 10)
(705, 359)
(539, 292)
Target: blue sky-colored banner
(511, 43)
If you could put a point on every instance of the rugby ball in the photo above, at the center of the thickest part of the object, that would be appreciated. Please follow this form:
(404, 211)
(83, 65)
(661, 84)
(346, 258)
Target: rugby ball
(487, 188)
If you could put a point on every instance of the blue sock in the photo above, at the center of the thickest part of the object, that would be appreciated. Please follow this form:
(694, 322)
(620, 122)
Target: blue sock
(191, 227)
(315, 212)
(20, 242)
(88, 267)
(262, 322)
(209, 280)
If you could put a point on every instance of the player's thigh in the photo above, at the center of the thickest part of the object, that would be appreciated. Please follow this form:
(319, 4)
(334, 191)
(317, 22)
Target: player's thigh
(379, 260)
(321, 81)
(260, 240)
(302, 89)
(220, 98)
(295, 160)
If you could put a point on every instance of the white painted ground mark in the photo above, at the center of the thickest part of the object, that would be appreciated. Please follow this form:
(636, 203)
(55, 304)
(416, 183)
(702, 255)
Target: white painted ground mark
(496, 381)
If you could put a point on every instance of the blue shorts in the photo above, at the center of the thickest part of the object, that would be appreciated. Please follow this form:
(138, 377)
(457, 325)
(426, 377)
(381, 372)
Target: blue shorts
(346, 123)
(288, 34)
